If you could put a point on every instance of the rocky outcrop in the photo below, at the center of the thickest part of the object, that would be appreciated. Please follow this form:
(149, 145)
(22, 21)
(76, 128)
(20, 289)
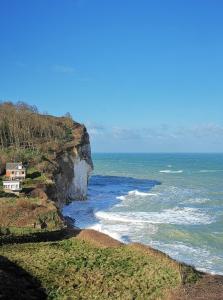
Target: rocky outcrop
(74, 166)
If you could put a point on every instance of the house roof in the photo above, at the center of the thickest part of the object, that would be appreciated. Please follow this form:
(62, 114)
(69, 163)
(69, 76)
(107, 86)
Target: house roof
(11, 181)
(14, 166)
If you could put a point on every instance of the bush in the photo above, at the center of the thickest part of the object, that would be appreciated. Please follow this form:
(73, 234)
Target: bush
(4, 231)
(26, 204)
(40, 194)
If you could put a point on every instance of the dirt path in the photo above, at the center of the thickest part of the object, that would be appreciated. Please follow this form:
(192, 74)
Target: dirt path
(209, 287)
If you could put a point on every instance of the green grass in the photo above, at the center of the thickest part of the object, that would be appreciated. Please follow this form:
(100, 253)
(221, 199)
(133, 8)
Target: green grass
(34, 177)
(76, 269)
(11, 231)
(20, 154)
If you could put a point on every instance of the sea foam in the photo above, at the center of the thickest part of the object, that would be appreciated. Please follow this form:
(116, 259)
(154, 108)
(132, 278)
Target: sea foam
(205, 261)
(185, 215)
(210, 171)
(141, 194)
(171, 171)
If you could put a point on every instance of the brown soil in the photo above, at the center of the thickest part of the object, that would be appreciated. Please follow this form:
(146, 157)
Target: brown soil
(209, 287)
(98, 239)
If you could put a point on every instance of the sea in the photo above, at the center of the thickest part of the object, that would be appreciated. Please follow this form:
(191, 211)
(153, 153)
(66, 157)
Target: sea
(172, 202)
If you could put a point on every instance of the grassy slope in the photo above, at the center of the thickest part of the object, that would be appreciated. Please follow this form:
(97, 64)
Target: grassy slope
(74, 267)
(81, 270)
(18, 214)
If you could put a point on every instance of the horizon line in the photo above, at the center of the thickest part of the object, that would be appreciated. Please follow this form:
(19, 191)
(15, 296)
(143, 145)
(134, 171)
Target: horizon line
(125, 152)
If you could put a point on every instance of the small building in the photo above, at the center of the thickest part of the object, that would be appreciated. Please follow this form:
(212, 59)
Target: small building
(12, 186)
(15, 171)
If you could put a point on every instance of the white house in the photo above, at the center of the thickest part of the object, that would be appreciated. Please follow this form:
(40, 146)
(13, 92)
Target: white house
(12, 185)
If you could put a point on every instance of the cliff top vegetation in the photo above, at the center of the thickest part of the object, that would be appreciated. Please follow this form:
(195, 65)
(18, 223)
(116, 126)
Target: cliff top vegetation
(24, 132)
(35, 139)
(77, 269)
(29, 136)
(21, 126)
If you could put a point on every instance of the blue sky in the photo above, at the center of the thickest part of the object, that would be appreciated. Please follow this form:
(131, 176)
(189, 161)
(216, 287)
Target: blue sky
(144, 76)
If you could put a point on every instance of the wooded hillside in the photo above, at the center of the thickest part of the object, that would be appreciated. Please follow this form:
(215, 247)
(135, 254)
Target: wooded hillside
(21, 126)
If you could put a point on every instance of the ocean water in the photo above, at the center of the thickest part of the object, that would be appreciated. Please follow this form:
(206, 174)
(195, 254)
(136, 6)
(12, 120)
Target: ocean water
(173, 202)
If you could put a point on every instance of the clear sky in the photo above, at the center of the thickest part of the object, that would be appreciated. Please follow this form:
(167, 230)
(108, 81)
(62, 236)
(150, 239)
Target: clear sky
(143, 75)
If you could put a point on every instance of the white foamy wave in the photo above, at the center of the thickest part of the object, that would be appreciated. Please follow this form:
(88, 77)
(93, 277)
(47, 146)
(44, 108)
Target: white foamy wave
(171, 171)
(197, 200)
(142, 194)
(121, 197)
(209, 171)
(99, 227)
(123, 232)
(199, 257)
(176, 215)
(135, 193)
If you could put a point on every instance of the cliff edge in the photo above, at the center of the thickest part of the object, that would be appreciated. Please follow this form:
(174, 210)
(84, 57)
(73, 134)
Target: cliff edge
(73, 167)
(57, 156)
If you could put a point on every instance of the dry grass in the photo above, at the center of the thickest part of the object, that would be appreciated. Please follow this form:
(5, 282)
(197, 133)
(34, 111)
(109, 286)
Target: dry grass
(26, 204)
(28, 213)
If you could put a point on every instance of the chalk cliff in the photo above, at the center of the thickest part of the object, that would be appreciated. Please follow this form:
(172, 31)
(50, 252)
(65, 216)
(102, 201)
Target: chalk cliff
(58, 148)
(57, 154)
(74, 166)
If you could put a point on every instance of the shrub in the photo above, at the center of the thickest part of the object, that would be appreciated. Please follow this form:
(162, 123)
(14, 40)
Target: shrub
(26, 204)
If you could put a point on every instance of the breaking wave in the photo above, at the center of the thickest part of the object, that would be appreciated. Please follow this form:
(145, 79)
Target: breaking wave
(210, 171)
(140, 210)
(204, 259)
(136, 193)
(171, 171)
(185, 216)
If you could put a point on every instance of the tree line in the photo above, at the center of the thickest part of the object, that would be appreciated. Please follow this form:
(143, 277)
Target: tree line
(22, 126)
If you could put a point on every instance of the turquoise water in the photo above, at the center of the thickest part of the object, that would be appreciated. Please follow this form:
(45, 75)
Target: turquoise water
(173, 202)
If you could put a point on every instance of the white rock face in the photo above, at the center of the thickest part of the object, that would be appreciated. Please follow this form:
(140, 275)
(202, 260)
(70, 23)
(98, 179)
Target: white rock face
(79, 186)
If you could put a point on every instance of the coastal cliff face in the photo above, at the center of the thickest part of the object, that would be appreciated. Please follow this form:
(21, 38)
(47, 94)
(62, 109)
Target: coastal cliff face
(74, 166)
(57, 154)
(57, 148)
